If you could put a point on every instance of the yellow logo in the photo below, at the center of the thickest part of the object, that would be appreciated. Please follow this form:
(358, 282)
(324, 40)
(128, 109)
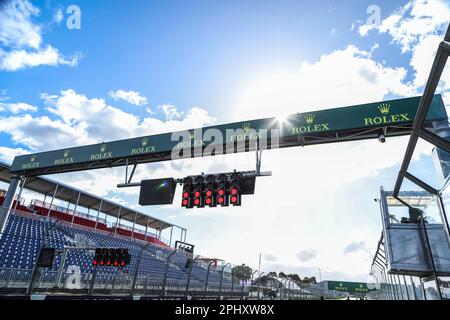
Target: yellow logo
(246, 126)
(65, 159)
(385, 117)
(144, 141)
(309, 118)
(103, 154)
(32, 164)
(384, 108)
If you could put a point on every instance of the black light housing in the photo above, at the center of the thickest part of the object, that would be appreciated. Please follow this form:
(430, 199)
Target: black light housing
(235, 189)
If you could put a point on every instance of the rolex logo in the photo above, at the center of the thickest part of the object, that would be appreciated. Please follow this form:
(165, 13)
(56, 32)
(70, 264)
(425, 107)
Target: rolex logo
(384, 108)
(103, 147)
(144, 141)
(33, 158)
(309, 118)
(246, 126)
(66, 153)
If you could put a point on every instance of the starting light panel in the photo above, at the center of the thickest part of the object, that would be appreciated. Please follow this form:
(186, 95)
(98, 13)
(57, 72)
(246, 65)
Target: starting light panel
(213, 190)
(111, 257)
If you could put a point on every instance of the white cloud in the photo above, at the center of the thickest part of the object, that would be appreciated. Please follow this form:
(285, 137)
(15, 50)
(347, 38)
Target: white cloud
(418, 28)
(58, 15)
(80, 120)
(322, 84)
(414, 20)
(354, 247)
(365, 28)
(306, 255)
(20, 59)
(270, 257)
(16, 108)
(8, 154)
(16, 27)
(22, 39)
(132, 97)
(170, 111)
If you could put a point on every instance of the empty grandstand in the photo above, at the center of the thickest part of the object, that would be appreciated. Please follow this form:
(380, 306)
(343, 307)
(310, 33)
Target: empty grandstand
(156, 268)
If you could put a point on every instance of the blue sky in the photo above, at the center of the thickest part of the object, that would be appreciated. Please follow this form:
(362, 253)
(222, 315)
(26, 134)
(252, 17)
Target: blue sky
(146, 67)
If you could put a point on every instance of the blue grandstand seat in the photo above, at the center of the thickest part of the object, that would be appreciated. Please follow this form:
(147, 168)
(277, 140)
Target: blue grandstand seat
(25, 234)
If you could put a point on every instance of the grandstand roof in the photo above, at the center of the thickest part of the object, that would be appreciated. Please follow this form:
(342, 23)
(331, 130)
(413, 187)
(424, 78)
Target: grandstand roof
(87, 200)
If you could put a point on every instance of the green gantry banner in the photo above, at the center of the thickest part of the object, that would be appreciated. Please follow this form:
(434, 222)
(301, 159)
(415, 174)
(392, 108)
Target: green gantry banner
(159, 147)
(350, 287)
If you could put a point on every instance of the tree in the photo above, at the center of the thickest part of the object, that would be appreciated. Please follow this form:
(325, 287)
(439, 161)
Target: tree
(282, 275)
(309, 280)
(294, 277)
(272, 274)
(242, 272)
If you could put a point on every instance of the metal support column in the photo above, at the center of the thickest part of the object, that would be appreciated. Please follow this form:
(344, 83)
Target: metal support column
(134, 222)
(170, 241)
(443, 214)
(186, 291)
(8, 201)
(136, 271)
(221, 278)
(406, 287)
(207, 279)
(146, 228)
(400, 284)
(51, 201)
(98, 213)
(61, 268)
(167, 272)
(414, 287)
(430, 255)
(22, 184)
(117, 220)
(75, 209)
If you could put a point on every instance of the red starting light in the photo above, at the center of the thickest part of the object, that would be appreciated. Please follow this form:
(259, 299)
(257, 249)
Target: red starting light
(233, 199)
(115, 263)
(102, 262)
(108, 263)
(197, 202)
(185, 202)
(208, 193)
(220, 200)
(122, 264)
(185, 194)
(221, 192)
(208, 201)
(94, 262)
(197, 194)
(233, 191)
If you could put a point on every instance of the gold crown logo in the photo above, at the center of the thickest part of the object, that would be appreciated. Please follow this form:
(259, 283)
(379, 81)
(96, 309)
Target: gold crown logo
(103, 147)
(66, 153)
(309, 118)
(144, 141)
(384, 108)
(33, 158)
(246, 126)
